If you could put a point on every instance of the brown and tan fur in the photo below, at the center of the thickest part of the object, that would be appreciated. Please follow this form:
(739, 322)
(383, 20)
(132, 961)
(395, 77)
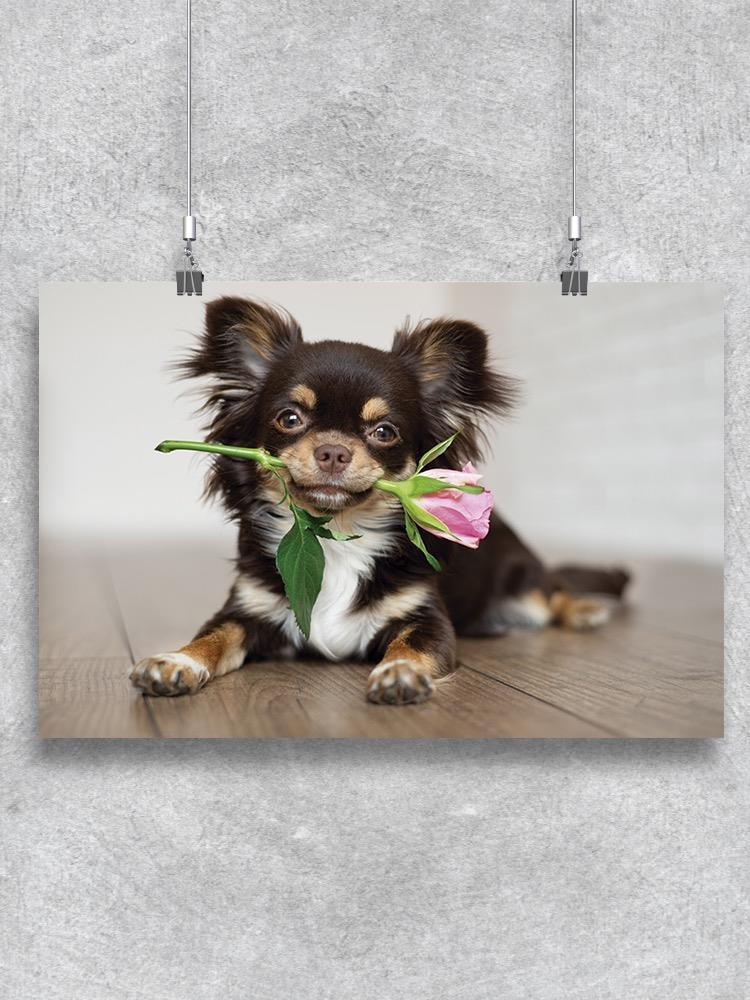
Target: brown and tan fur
(218, 652)
(405, 675)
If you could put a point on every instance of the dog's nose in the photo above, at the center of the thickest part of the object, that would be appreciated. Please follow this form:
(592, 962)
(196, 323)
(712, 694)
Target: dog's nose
(332, 457)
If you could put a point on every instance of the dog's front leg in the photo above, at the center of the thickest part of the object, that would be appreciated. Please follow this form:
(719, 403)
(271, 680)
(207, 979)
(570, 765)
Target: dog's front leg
(414, 654)
(221, 646)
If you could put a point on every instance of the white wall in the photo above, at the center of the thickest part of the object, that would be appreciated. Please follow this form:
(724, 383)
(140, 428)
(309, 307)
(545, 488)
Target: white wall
(617, 446)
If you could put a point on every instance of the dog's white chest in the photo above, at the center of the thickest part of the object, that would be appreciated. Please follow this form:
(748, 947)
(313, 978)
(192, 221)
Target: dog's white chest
(337, 631)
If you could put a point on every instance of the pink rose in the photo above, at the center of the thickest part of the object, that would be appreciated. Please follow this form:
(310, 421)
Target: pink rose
(466, 515)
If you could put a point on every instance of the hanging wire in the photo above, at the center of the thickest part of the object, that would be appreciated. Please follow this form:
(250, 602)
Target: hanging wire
(189, 277)
(189, 109)
(574, 59)
(574, 280)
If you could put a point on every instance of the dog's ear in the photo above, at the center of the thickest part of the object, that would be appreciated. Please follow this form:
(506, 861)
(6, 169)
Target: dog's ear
(458, 386)
(240, 342)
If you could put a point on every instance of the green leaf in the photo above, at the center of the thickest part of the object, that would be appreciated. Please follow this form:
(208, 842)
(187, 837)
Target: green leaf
(339, 536)
(317, 524)
(420, 485)
(436, 451)
(423, 517)
(306, 519)
(300, 561)
(416, 539)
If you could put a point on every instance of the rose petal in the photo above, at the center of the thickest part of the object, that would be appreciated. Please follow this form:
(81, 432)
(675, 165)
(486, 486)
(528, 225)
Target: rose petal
(466, 515)
(466, 477)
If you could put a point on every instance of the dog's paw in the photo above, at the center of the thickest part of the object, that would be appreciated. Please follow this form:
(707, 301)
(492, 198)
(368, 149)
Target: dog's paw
(169, 674)
(583, 614)
(399, 682)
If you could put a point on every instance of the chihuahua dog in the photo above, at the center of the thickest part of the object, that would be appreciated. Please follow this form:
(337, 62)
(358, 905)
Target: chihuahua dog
(341, 416)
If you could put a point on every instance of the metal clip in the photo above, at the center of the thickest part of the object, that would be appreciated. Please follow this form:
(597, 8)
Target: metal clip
(574, 280)
(190, 278)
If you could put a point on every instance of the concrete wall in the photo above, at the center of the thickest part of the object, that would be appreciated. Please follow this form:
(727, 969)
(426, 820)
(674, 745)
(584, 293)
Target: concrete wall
(340, 141)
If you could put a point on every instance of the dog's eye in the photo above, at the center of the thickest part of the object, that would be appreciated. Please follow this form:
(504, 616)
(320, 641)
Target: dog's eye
(289, 420)
(383, 434)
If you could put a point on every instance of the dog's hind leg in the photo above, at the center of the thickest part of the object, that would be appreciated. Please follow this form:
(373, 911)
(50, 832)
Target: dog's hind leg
(578, 613)
(590, 580)
(536, 609)
(576, 591)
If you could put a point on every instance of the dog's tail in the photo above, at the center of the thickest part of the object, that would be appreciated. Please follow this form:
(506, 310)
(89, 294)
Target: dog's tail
(591, 580)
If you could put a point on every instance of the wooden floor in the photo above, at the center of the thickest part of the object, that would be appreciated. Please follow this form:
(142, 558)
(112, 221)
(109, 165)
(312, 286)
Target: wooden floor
(655, 671)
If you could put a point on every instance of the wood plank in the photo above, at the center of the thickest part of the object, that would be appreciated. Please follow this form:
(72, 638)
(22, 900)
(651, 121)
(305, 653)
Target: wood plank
(166, 594)
(643, 675)
(78, 615)
(636, 681)
(303, 700)
(679, 597)
(482, 710)
(82, 698)
(82, 688)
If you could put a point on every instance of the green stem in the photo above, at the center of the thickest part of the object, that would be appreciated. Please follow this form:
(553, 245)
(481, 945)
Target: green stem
(259, 455)
(389, 486)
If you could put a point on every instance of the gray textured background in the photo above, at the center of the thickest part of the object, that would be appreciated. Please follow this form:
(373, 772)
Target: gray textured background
(393, 140)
